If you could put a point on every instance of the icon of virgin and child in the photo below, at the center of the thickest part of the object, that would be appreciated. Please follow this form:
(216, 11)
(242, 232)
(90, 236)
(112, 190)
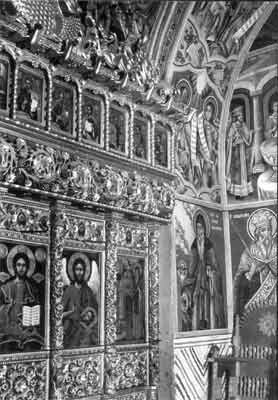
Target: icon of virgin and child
(80, 301)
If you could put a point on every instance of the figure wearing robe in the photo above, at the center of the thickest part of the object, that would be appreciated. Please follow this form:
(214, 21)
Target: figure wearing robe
(239, 183)
(15, 294)
(208, 311)
(80, 309)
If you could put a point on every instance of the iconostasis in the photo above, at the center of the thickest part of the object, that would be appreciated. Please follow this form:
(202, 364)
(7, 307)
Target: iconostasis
(78, 303)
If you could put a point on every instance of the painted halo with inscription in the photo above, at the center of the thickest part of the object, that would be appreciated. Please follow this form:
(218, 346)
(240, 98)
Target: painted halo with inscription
(184, 93)
(85, 260)
(198, 212)
(24, 250)
(211, 100)
(263, 216)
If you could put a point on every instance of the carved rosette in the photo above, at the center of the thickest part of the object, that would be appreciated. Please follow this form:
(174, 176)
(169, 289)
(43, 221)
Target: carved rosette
(125, 370)
(112, 238)
(79, 377)
(153, 285)
(23, 380)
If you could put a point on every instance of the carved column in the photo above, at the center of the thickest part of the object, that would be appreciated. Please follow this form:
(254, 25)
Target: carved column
(59, 227)
(112, 234)
(154, 309)
(258, 165)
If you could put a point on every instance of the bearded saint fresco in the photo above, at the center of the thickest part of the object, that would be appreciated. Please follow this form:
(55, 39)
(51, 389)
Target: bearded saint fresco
(80, 317)
(21, 325)
(258, 263)
(207, 290)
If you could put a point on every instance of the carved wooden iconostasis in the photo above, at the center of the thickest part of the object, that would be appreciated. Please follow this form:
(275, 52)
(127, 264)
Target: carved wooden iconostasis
(86, 174)
(137, 168)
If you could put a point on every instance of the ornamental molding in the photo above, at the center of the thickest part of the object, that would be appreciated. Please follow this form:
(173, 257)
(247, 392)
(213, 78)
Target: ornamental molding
(57, 172)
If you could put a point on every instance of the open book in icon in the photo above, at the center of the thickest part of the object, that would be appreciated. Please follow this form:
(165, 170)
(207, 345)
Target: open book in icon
(31, 315)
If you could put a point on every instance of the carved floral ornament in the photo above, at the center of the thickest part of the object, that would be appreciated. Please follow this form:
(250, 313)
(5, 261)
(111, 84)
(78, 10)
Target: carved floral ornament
(61, 173)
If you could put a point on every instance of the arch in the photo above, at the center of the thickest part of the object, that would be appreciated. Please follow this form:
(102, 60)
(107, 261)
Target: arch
(271, 75)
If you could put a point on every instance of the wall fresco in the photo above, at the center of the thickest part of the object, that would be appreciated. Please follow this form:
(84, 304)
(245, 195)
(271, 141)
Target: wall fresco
(200, 273)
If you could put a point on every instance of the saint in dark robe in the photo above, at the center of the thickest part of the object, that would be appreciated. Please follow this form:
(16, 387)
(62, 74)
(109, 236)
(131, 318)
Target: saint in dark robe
(80, 310)
(15, 294)
(207, 299)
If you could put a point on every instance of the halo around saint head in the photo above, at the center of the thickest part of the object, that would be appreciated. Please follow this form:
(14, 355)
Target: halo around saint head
(213, 102)
(85, 260)
(198, 212)
(261, 217)
(21, 249)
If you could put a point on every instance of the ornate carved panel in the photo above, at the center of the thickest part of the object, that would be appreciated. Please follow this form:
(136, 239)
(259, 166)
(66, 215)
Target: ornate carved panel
(65, 174)
(23, 380)
(125, 370)
(79, 377)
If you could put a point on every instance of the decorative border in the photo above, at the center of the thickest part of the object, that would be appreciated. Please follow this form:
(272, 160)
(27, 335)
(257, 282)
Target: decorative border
(112, 239)
(68, 176)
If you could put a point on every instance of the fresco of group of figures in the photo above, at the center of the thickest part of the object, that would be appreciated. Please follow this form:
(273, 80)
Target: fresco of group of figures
(200, 269)
(23, 298)
(32, 103)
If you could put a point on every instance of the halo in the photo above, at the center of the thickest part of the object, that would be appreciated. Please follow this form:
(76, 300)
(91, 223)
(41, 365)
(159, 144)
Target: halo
(72, 260)
(199, 211)
(251, 222)
(40, 254)
(211, 100)
(3, 251)
(25, 250)
(183, 83)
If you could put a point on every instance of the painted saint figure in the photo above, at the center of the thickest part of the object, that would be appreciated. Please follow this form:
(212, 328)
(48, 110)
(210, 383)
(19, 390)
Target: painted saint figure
(272, 122)
(204, 147)
(238, 167)
(62, 109)
(89, 126)
(80, 306)
(17, 293)
(258, 262)
(207, 297)
(28, 99)
(131, 301)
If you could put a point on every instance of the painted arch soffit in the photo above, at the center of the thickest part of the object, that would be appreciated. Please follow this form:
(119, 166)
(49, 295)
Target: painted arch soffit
(211, 41)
